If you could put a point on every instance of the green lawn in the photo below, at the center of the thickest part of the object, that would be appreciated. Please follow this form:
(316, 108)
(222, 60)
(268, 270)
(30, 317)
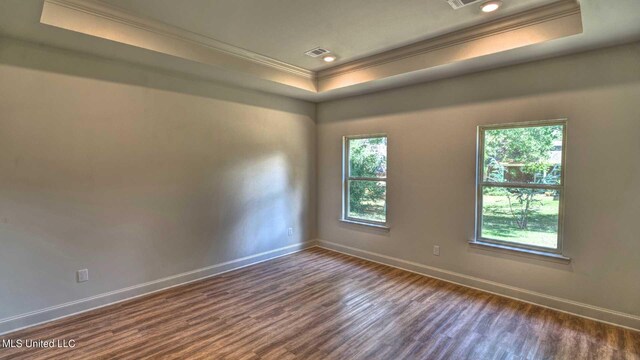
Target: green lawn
(498, 222)
(369, 210)
(367, 200)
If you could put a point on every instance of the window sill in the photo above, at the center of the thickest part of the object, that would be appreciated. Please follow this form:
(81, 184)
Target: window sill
(520, 251)
(362, 223)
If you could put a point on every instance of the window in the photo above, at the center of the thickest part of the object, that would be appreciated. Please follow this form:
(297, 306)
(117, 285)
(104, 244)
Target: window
(520, 185)
(365, 179)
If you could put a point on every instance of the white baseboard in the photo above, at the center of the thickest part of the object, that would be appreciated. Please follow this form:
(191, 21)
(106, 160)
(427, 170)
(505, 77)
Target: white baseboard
(56, 312)
(617, 318)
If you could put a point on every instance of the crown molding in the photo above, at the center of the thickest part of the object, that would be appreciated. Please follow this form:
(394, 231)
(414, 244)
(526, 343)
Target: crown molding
(113, 13)
(96, 18)
(99, 19)
(536, 16)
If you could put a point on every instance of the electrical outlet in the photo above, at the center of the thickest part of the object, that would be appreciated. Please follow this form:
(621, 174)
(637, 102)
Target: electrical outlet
(82, 275)
(436, 250)
(290, 232)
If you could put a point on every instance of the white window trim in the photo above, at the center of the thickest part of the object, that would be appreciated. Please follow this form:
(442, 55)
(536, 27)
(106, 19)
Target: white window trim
(511, 246)
(345, 184)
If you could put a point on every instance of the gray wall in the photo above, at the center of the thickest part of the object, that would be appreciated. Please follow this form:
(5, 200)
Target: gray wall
(138, 175)
(431, 180)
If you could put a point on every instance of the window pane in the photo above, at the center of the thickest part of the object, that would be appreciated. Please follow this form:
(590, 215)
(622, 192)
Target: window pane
(520, 215)
(367, 200)
(524, 155)
(368, 157)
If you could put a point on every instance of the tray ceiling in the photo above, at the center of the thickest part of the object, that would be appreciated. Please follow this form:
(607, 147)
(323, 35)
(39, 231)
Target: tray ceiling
(259, 44)
(284, 29)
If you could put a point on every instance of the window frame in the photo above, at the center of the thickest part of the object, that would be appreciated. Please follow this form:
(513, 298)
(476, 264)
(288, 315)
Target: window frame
(346, 177)
(480, 184)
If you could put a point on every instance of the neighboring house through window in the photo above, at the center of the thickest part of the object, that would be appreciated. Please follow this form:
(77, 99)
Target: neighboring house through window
(520, 185)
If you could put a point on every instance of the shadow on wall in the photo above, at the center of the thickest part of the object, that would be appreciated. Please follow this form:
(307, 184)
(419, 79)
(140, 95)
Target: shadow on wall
(126, 233)
(44, 58)
(137, 184)
(244, 207)
(593, 69)
(261, 198)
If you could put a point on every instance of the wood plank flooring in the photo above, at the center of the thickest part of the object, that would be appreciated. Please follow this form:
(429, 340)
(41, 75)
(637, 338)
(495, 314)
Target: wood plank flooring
(318, 304)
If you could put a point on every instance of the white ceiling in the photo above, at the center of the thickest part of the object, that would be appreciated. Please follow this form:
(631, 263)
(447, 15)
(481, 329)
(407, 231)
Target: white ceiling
(605, 23)
(285, 29)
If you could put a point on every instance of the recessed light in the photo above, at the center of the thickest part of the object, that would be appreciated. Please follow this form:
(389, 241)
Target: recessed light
(490, 6)
(329, 58)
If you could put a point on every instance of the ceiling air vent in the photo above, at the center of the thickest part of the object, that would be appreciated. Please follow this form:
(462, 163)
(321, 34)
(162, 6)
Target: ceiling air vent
(457, 4)
(317, 52)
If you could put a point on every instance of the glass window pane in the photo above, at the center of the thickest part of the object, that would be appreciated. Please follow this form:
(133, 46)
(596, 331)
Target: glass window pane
(368, 157)
(521, 216)
(367, 200)
(531, 155)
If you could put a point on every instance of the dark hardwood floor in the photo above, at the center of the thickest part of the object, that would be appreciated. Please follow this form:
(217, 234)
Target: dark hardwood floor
(318, 304)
